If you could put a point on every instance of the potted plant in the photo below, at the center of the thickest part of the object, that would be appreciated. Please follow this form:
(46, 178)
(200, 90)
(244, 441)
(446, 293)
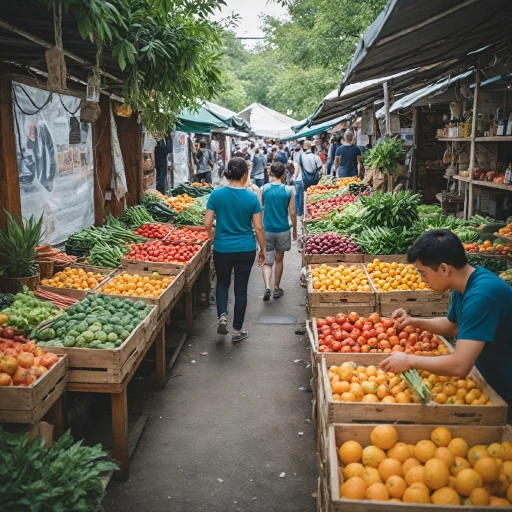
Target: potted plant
(17, 258)
(385, 156)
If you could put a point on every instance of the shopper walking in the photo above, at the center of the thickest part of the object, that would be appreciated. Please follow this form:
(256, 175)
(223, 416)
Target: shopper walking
(348, 160)
(278, 203)
(236, 210)
(204, 160)
(259, 166)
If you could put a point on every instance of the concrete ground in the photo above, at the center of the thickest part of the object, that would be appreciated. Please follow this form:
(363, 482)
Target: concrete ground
(232, 431)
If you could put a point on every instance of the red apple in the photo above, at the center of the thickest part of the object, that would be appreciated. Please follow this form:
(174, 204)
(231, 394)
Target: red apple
(347, 327)
(345, 349)
(353, 317)
(356, 348)
(373, 342)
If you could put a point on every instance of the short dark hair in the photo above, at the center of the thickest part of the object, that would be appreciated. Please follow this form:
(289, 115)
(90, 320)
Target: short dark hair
(438, 246)
(237, 168)
(277, 169)
(202, 143)
(238, 154)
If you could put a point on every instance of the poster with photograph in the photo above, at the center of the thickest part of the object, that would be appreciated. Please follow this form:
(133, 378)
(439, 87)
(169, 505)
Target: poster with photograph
(180, 157)
(55, 161)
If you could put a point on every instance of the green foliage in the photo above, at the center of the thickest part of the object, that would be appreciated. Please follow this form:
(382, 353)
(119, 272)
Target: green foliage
(383, 240)
(168, 51)
(17, 246)
(385, 155)
(61, 478)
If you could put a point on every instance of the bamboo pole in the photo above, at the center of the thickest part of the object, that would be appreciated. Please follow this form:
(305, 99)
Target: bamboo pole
(472, 152)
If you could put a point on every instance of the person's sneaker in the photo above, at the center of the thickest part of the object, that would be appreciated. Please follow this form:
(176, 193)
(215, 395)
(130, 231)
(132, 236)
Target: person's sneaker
(222, 325)
(266, 295)
(278, 293)
(239, 337)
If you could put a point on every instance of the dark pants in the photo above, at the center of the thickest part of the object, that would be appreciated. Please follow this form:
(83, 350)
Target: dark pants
(266, 179)
(206, 176)
(161, 175)
(259, 182)
(224, 263)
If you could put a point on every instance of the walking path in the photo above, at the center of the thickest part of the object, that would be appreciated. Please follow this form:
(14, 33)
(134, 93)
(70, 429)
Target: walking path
(230, 423)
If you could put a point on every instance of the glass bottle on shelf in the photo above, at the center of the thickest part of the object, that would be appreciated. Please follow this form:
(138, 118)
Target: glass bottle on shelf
(509, 125)
(508, 174)
(502, 123)
(480, 125)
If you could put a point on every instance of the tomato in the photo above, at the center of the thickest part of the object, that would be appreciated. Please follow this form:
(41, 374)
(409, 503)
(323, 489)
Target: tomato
(328, 339)
(337, 335)
(329, 320)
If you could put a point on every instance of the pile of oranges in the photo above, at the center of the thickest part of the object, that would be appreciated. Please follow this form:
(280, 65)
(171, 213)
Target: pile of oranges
(75, 278)
(136, 285)
(339, 279)
(392, 277)
(442, 470)
(180, 203)
(351, 383)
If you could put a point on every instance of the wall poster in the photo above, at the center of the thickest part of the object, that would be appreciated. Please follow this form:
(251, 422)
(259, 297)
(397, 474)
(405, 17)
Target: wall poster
(180, 157)
(55, 161)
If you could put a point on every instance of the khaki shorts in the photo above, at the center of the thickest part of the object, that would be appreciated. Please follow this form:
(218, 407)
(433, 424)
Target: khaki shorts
(280, 242)
(375, 178)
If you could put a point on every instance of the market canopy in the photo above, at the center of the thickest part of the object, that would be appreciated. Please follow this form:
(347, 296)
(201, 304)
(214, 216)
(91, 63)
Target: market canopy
(266, 122)
(315, 130)
(410, 34)
(198, 121)
(227, 116)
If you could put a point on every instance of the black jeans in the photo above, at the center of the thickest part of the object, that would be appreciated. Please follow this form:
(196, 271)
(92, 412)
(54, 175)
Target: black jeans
(224, 263)
(206, 176)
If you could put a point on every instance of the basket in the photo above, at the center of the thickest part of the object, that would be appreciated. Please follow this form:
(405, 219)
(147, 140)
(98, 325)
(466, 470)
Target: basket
(15, 285)
(46, 268)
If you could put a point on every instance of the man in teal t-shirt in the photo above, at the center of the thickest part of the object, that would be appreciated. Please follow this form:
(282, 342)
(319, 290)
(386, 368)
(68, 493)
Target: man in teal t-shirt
(480, 315)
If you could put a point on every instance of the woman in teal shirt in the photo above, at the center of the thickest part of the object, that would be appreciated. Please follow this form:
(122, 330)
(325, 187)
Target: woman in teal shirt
(236, 210)
(278, 202)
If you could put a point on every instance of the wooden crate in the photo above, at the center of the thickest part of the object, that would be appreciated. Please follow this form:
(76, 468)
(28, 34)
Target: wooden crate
(333, 298)
(354, 412)
(424, 303)
(386, 258)
(80, 294)
(339, 433)
(333, 309)
(192, 268)
(29, 404)
(308, 259)
(96, 366)
(162, 302)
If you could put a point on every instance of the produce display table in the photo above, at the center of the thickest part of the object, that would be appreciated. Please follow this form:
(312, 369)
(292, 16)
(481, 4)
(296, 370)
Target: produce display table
(42, 398)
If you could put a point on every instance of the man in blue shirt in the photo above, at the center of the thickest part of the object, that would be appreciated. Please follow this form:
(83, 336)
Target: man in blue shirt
(480, 315)
(204, 160)
(348, 160)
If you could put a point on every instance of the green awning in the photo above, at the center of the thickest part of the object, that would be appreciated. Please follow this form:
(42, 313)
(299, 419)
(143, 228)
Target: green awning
(227, 116)
(198, 121)
(316, 129)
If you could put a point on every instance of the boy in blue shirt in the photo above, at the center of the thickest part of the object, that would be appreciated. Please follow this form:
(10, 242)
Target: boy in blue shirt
(480, 315)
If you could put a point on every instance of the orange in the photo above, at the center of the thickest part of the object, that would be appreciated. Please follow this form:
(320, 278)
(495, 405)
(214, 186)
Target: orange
(389, 400)
(377, 492)
(466, 481)
(435, 474)
(340, 387)
(479, 496)
(446, 496)
(458, 465)
(495, 501)
(399, 452)
(384, 436)
(424, 450)
(509, 494)
(350, 451)
(445, 455)
(390, 467)
(451, 481)
(372, 456)
(495, 450)
(477, 452)
(414, 475)
(441, 436)
(488, 469)
(370, 399)
(458, 446)
(410, 463)
(371, 476)
(353, 469)
(354, 489)
(416, 493)
(396, 486)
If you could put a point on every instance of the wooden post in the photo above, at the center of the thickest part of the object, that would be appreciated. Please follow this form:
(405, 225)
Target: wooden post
(415, 138)
(120, 434)
(55, 417)
(161, 366)
(130, 140)
(386, 106)
(472, 152)
(189, 311)
(103, 165)
(9, 179)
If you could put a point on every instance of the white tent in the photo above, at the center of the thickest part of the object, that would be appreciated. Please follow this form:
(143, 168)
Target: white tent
(266, 122)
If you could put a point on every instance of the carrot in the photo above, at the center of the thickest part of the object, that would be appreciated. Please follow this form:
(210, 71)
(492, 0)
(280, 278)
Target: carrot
(43, 248)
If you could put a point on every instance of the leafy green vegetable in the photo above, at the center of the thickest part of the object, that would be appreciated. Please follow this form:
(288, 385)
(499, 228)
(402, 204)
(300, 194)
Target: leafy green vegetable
(380, 240)
(385, 155)
(491, 264)
(61, 478)
(192, 216)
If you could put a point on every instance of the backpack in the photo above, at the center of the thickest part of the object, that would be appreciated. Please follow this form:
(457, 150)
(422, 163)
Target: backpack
(309, 178)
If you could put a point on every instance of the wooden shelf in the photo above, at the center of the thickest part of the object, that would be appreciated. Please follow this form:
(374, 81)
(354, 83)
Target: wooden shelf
(461, 178)
(500, 138)
(490, 184)
(454, 139)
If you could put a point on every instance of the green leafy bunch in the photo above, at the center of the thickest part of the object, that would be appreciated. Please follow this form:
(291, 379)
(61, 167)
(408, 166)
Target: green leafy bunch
(385, 155)
(17, 246)
(383, 240)
(61, 478)
(390, 210)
